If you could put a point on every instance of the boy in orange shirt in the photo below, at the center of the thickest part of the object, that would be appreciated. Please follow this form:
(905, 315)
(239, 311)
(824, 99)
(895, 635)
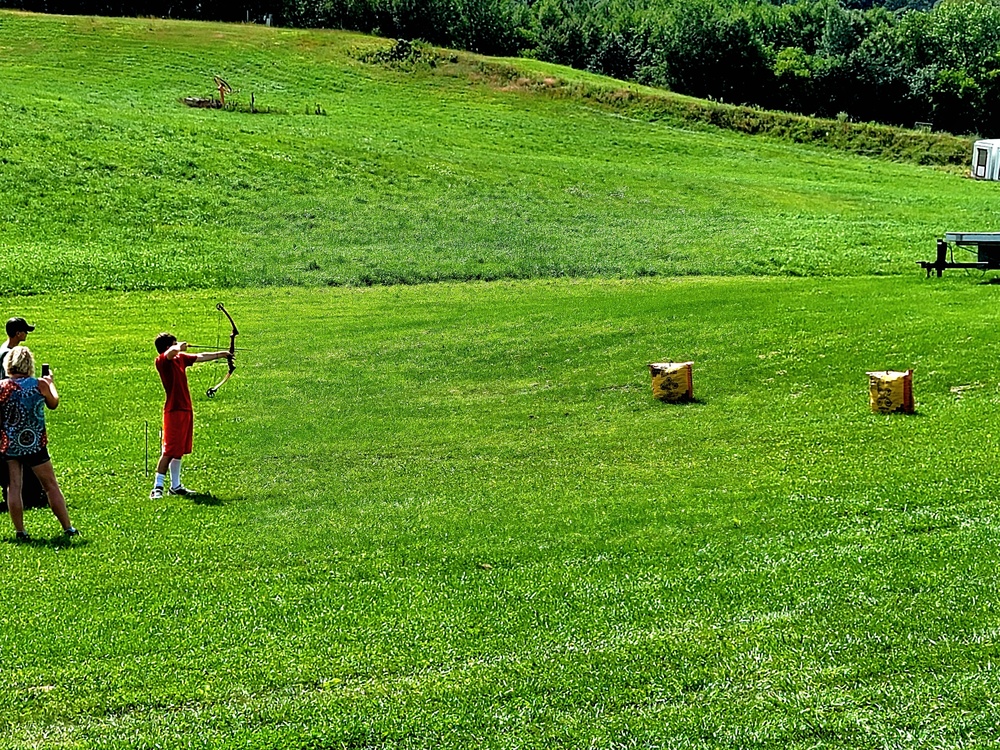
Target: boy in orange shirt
(178, 414)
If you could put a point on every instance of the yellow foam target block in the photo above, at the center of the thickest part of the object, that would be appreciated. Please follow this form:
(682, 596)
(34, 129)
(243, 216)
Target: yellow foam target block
(672, 381)
(891, 391)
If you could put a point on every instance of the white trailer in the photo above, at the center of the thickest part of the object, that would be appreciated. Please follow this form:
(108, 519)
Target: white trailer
(986, 159)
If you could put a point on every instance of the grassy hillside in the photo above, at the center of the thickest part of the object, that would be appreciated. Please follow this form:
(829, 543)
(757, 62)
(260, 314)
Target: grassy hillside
(451, 515)
(107, 181)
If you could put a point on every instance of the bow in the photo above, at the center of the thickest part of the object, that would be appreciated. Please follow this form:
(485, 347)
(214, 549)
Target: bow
(232, 350)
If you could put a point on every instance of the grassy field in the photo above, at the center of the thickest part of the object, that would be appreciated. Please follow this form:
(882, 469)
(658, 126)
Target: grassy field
(107, 181)
(451, 515)
(455, 517)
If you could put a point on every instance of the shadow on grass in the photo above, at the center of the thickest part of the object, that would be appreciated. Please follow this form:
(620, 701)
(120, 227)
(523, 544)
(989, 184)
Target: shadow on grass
(206, 498)
(652, 399)
(57, 541)
(682, 402)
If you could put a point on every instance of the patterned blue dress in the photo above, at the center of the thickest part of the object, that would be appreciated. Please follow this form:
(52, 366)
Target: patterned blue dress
(22, 417)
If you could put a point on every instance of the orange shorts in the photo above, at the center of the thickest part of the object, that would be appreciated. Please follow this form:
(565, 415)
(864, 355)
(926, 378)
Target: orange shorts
(178, 433)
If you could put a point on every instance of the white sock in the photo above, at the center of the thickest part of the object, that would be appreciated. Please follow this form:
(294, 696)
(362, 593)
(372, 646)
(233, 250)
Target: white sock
(160, 479)
(175, 473)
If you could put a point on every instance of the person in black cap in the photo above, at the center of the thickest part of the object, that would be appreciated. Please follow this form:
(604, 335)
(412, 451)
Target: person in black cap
(17, 331)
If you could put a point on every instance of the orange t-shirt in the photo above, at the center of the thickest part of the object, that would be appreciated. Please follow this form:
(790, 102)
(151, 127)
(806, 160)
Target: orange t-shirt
(173, 375)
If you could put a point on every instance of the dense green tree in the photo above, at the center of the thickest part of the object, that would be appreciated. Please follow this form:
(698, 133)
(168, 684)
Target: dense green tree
(559, 33)
(795, 79)
(709, 51)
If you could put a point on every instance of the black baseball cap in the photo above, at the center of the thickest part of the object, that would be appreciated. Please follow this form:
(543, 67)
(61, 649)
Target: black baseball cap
(16, 325)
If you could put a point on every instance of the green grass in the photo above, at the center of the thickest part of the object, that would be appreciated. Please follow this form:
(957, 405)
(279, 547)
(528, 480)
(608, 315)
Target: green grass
(451, 515)
(108, 182)
(455, 517)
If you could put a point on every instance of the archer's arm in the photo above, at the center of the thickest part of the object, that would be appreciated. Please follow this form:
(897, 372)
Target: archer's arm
(180, 346)
(209, 356)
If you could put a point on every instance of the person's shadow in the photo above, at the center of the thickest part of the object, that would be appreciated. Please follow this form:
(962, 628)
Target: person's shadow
(206, 498)
(57, 541)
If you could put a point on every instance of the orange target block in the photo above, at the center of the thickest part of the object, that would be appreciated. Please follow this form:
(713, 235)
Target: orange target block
(672, 381)
(891, 391)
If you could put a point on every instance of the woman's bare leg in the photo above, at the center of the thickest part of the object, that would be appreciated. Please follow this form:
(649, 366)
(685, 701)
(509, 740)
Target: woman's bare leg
(47, 476)
(14, 504)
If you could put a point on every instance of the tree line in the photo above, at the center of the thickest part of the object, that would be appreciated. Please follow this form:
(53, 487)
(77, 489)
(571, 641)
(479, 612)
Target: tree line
(899, 62)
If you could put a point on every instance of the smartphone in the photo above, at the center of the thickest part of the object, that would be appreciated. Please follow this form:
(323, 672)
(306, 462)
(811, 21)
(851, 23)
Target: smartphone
(45, 370)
